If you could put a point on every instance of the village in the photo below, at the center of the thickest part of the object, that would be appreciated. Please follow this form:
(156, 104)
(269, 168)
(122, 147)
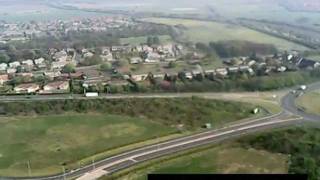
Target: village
(67, 70)
(25, 31)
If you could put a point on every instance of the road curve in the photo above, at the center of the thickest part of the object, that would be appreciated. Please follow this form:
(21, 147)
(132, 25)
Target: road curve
(130, 158)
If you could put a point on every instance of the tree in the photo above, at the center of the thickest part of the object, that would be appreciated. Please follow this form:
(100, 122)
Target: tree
(150, 41)
(69, 68)
(156, 40)
(4, 58)
(105, 66)
(90, 61)
(172, 64)
(28, 54)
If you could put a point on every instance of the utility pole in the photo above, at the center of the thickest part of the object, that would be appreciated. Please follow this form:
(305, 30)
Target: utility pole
(93, 164)
(64, 172)
(29, 169)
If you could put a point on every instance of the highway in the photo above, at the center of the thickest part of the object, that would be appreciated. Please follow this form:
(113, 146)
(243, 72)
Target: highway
(289, 116)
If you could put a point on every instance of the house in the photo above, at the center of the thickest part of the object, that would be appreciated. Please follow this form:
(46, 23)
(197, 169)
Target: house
(244, 68)
(29, 75)
(107, 57)
(40, 63)
(281, 69)
(27, 88)
(222, 71)
(60, 56)
(233, 69)
(57, 86)
(88, 55)
(58, 65)
(153, 58)
(251, 63)
(210, 72)
(140, 77)
(14, 64)
(119, 48)
(188, 75)
(4, 78)
(11, 70)
(52, 74)
(27, 62)
(3, 66)
(135, 60)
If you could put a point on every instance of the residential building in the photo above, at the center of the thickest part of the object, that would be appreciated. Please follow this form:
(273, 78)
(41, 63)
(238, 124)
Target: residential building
(57, 86)
(40, 63)
(27, 88)
(11, 70)
(14, 64)
(3, 66)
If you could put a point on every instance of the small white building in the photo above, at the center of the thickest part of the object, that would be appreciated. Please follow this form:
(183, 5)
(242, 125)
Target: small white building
(3, 66)
(27, 62)
(11, 70)
(40, 63)
(14, 64)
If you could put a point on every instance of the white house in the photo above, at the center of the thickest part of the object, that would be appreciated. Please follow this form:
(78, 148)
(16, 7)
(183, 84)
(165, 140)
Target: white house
(11, 70)
(3, 66)
(14, 64)
(40, 63)
(135, 60)
(27, 62)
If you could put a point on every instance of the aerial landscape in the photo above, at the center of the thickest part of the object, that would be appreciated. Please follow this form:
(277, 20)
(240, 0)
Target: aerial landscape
(103, 89)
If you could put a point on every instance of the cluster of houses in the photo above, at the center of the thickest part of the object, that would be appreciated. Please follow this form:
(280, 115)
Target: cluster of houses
(26, 30)
(275, 64)
(59, 81)
(157, 53)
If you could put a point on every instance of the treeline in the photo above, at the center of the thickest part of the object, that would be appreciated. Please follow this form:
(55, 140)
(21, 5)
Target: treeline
(192, 112)
(302, 144)
(234, 48)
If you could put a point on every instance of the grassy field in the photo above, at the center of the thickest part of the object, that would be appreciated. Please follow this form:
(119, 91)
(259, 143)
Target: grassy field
(228, 158)
(49, 141)
(143, 39)
(204, 31)
(310, 102)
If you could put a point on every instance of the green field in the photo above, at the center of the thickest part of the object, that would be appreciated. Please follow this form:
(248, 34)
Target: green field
(49, 141)
(143, 39)
(205, 31)
(310, 102)
(219, 159)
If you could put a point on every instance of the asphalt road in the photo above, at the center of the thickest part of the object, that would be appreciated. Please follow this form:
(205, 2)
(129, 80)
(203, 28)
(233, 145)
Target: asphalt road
(130, 158)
